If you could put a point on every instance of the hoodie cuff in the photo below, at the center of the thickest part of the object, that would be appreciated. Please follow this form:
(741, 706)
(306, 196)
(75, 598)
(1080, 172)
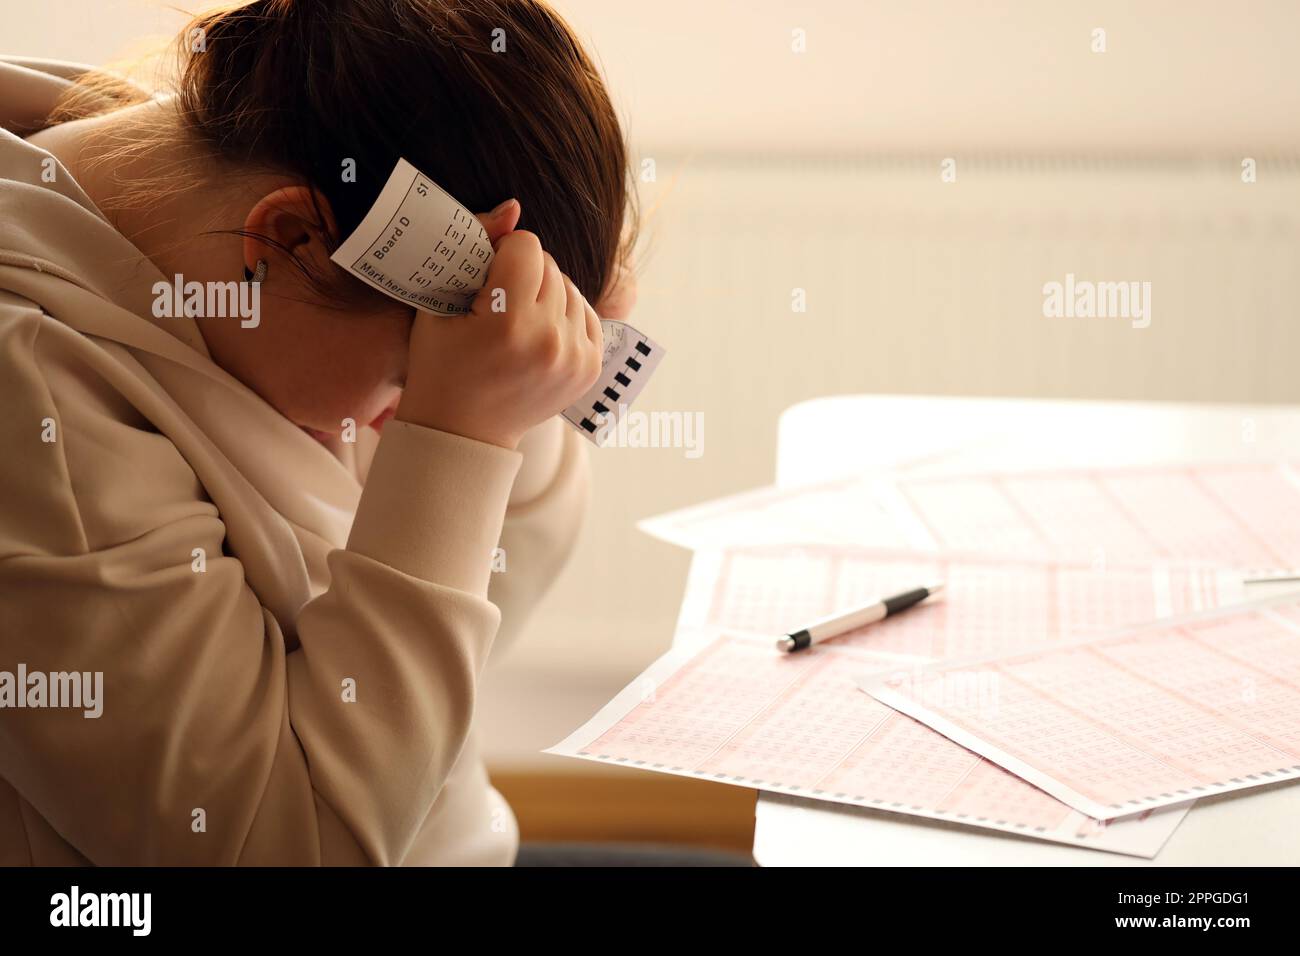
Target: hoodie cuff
(434, 504)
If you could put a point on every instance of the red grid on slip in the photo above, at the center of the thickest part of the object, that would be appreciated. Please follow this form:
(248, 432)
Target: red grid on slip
(739, 712)
(1141, 719)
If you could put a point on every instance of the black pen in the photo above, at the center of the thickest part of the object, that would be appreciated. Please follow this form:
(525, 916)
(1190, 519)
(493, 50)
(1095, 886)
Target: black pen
(845, 621)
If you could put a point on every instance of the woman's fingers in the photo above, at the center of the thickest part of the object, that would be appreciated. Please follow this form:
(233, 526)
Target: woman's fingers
(518, 268)
(551, 293)
(501, 220)
(584, 326)
(586, 323)
(594, 332)
(555, 321)
(574, 303)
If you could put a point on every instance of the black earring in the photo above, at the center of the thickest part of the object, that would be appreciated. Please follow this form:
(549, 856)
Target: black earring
(259, 275)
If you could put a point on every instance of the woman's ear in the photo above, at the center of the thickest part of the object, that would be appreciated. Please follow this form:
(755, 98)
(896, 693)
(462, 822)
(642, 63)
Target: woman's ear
(290, 219)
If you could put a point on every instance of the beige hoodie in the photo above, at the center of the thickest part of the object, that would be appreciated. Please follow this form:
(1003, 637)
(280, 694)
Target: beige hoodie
(225, 736)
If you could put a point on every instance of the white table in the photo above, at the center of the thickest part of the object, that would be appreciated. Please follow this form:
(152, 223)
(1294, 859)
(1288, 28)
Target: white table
(832, 437)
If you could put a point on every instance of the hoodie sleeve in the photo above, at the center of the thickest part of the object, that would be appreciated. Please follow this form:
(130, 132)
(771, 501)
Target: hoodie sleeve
(216, 743)
(541, 527)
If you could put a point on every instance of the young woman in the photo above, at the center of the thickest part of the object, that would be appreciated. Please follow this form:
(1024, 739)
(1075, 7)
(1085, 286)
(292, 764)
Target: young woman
(289, 625)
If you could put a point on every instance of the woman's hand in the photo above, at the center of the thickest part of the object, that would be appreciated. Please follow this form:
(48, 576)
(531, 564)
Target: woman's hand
(492, 375)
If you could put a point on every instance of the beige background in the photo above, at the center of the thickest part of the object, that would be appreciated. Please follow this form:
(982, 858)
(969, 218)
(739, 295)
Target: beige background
(820, 171)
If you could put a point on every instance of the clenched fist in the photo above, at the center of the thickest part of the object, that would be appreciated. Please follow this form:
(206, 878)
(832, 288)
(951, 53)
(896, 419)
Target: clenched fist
(492, 375)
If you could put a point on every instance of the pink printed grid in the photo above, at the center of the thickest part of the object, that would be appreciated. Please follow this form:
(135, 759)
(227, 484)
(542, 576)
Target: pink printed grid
(1228, 515)
(989, 605)
(741, 712)
(1163, 714)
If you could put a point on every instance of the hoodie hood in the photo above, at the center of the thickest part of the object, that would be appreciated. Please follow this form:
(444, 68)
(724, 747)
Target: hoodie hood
(286, 499)
(46, 217)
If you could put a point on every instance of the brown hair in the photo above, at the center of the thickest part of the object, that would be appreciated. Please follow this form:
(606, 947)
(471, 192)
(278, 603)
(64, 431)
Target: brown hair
(303, 87)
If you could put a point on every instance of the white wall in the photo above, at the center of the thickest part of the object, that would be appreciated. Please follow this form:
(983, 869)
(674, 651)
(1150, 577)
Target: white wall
(929, 75)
